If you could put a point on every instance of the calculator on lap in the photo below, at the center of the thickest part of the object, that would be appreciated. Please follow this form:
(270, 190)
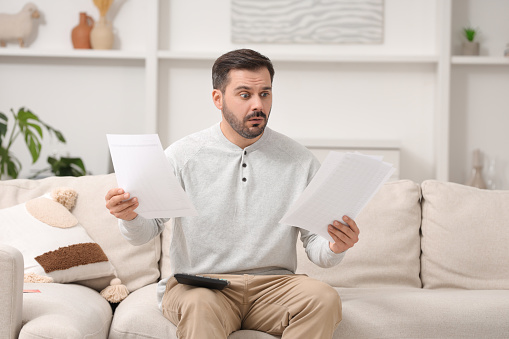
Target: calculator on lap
(201, 281)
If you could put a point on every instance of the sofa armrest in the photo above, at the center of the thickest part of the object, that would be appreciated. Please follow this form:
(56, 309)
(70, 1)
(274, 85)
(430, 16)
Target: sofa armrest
(11, 291)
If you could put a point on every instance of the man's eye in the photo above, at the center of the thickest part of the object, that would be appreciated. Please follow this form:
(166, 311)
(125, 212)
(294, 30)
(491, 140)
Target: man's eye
(265, 94)
(244, 95)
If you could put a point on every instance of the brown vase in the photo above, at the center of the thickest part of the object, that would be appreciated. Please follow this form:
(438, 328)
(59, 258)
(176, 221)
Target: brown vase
(80, 34)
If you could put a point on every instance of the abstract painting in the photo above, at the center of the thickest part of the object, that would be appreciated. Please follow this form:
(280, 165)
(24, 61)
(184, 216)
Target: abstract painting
(307, 21)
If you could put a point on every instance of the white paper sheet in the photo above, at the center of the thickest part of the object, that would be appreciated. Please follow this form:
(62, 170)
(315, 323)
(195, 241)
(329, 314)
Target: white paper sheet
(343, 185)
(143, 170)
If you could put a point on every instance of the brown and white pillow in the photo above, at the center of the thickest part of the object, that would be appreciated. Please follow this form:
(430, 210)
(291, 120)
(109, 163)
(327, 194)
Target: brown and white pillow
(54, 245)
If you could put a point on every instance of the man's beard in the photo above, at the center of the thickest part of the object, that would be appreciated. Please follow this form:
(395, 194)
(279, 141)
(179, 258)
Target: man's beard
(240, 126)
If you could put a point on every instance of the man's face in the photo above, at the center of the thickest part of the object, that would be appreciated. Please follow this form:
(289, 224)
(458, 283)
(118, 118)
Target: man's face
(246, 102)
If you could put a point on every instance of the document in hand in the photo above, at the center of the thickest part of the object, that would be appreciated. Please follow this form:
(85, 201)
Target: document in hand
(343, 185)
(143, 170)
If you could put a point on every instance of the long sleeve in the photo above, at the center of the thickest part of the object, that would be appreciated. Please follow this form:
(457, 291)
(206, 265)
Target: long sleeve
(318, 250)
(140, 230)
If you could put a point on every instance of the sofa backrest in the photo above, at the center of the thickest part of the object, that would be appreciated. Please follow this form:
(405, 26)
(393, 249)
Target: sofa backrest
(388, 250)
(465, 237)
(136, 266)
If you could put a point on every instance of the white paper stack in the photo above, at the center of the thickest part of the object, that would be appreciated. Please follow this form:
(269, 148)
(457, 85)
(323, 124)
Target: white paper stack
(343, 185)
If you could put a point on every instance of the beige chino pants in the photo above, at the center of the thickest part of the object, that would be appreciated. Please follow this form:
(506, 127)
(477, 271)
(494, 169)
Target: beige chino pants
(294, 306)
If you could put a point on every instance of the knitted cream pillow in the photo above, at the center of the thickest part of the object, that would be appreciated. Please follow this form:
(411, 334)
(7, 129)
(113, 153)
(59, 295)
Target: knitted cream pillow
(55, 247)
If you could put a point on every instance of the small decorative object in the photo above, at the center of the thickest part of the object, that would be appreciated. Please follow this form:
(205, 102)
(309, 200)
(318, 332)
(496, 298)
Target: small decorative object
(101, 36)
(470, 47)
(80, 34)
(476, 179)
(18, 26)
(506, 52)
(491, 175)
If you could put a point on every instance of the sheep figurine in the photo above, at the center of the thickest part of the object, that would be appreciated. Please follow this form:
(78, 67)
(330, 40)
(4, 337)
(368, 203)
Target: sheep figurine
(17, 26)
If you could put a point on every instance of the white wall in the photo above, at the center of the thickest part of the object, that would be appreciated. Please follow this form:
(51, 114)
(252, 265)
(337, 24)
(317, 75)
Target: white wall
(87, 98)
(313, 100)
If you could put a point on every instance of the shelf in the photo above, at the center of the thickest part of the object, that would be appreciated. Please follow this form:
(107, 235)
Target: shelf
(73, 53)
(357, 144)
(423, 59)
(479, 60)
(200, 56)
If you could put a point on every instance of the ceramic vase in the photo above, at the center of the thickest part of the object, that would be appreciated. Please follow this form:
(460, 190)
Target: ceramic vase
(101, 36)
(80, 34)
(470, 48)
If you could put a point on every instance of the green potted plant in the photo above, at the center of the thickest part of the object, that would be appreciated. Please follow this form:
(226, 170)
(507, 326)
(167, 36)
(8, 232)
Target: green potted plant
(63, 166)
(27, 124)
(470, 46)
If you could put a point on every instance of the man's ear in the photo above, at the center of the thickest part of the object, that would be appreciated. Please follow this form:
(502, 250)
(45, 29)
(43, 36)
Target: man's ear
(217, 97)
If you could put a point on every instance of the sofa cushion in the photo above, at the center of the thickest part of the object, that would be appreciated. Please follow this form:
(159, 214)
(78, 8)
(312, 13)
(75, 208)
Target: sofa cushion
(388, 250)
(465, 237)
(138, 316)
(382, 312)
(66, 254)
(136, 266)
(422, 313)
(64, 311)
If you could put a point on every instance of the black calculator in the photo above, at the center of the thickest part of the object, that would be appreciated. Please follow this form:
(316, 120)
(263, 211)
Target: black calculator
(201, 281)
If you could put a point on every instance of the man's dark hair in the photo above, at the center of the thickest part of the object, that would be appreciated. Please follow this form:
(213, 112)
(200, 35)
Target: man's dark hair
(238, 59)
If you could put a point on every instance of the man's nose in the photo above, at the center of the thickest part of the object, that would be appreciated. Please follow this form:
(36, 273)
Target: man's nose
(257, 103)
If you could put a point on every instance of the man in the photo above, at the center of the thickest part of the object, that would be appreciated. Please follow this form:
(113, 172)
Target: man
(242, 177)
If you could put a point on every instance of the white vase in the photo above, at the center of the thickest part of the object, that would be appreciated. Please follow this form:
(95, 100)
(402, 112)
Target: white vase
(101, 36)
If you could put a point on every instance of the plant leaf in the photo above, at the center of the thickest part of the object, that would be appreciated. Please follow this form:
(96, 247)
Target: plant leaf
(59, 135)
(9, 164)
(74, 166)
(13, 167)
(3, 127)
(30, 125)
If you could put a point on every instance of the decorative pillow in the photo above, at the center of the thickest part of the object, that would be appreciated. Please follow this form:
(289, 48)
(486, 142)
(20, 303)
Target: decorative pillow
(55, 247)
(465, 237)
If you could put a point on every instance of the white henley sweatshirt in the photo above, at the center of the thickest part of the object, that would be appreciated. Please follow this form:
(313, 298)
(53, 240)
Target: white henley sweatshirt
(240, 196)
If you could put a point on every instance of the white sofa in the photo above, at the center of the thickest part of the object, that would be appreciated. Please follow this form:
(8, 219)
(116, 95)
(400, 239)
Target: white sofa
(432, 262)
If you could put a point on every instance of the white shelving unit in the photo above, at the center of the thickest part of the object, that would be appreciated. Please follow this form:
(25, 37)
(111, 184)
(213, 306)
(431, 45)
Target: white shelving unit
(155, 57)
(75, 53)
(478, 109)
(479, 60)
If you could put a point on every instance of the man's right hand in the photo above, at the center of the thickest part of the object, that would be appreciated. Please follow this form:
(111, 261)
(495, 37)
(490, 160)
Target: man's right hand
(119, 204)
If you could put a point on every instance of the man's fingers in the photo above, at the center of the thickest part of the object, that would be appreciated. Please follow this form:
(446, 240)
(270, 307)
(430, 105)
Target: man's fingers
(125, 209)
(352, 224)
(350, 236)
(113, 192)
(339, 235)
(333, 235)
(117, 200)
(344, 228)
(123, 205)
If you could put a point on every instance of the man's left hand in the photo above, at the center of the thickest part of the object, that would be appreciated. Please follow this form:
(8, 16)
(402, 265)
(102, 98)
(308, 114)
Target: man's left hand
(344, 236)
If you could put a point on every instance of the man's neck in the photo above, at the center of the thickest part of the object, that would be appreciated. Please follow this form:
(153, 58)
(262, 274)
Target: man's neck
(235, 138)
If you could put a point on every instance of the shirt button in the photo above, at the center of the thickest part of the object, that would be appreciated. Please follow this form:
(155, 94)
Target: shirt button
(244, 165)
(245, 152)
(244, 179)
